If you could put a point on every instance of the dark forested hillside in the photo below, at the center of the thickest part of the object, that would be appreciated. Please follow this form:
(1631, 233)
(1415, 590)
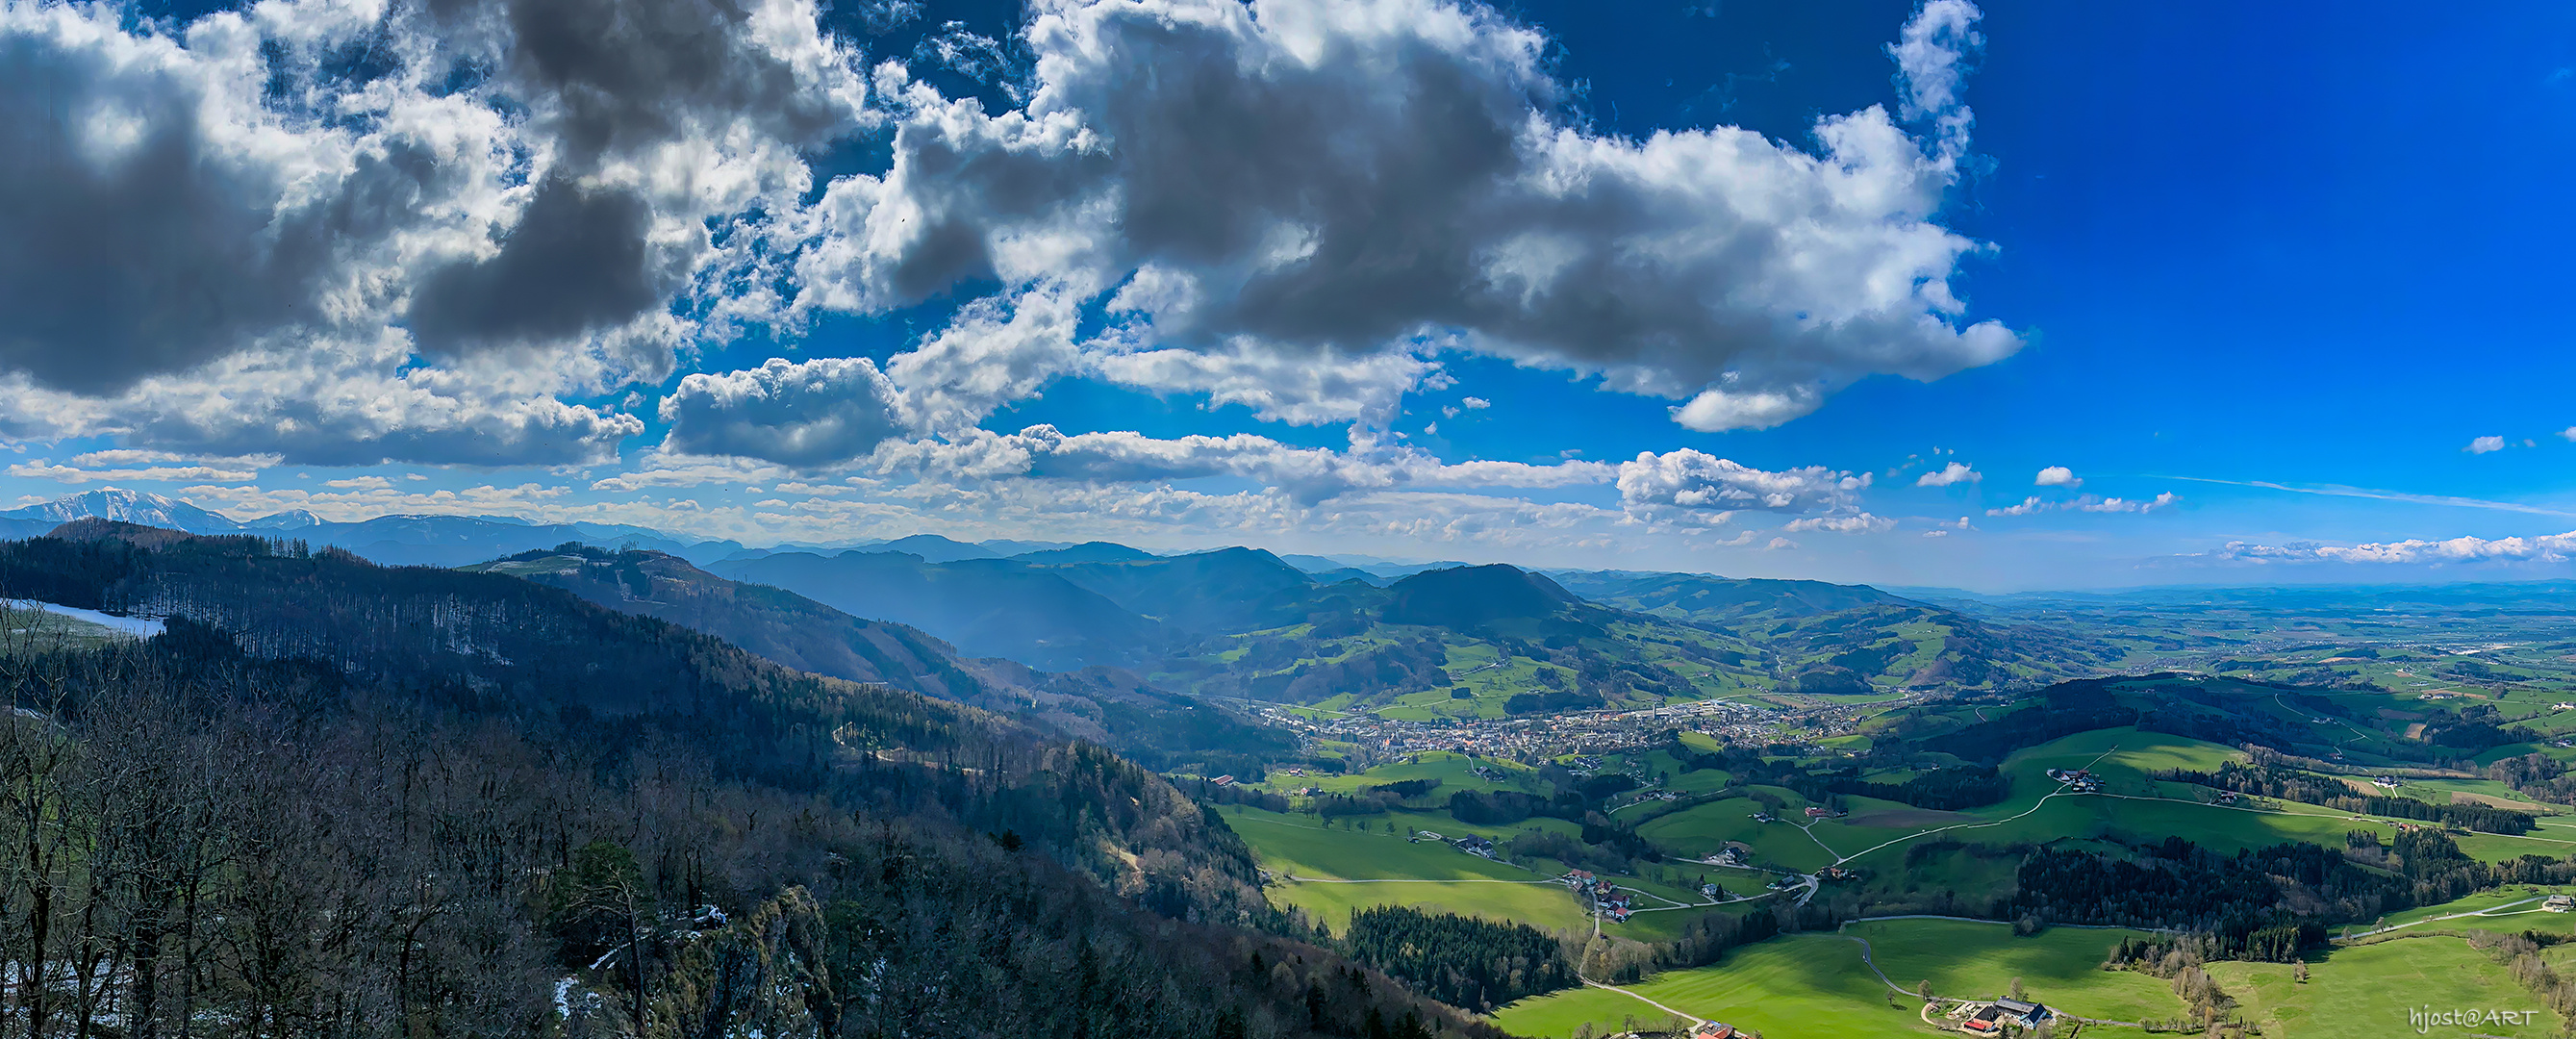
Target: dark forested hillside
(985, 607)
(341, 800)
(774, 623)
(1101, 704)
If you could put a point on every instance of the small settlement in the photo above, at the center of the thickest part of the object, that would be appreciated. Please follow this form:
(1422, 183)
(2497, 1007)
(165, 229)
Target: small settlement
(1605, 897)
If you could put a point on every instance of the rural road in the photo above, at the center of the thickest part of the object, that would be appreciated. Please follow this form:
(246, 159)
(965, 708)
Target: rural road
(1641, 999)
(2489, 911)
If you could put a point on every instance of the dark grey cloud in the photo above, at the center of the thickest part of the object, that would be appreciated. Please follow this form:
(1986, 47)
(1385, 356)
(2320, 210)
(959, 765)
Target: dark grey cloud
(575, 262)
(197, 258)
(614, 77)
(129, 245)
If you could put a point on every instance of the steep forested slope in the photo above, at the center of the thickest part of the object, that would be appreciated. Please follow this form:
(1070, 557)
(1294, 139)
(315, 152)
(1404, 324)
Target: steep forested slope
(1102, 704)
(985, 607)
(780, 625)
(338, 799)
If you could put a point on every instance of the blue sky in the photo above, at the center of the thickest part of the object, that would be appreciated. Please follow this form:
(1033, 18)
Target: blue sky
(2260, 277)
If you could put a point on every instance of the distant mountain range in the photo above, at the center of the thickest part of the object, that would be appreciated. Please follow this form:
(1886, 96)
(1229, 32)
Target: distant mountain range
(1228, 622)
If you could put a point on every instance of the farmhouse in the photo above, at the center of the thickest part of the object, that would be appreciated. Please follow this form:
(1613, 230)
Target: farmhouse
(1475, 845)
(1714, 1030)
(1992, 1018)
(2559, 904)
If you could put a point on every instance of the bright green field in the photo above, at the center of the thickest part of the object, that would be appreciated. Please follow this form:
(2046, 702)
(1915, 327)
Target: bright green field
(2367, 989)
(1295, 845)
(2512, 905)
(1815, 985)
(2131, 807)
(1454, 771)
(1433, 875)
(1538, 905)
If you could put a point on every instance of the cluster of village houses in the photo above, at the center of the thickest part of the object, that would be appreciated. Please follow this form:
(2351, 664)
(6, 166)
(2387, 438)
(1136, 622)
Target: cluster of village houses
(1606, 897)
(1530, 739)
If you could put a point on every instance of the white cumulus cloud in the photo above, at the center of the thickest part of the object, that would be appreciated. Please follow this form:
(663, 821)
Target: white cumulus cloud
(2546, 548)
(1690, 484)
(1222, 173)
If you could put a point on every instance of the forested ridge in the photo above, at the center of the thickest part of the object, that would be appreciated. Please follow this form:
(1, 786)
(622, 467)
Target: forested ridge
(342, 800)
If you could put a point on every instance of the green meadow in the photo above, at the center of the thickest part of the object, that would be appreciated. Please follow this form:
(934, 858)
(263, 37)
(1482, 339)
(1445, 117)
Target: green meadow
(2367, 989)
(1817, 985)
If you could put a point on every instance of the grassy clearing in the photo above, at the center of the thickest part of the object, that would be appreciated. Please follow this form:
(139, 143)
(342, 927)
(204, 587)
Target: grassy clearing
(2368, 989)
(1436, 876)
(1295, 845)
(1538, 905)
(1454, 771)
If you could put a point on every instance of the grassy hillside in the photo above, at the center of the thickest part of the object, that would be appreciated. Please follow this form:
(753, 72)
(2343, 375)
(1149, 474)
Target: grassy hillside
(2369, 989)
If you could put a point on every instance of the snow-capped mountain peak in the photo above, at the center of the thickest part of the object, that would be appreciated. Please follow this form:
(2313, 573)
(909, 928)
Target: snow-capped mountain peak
(124, 506)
